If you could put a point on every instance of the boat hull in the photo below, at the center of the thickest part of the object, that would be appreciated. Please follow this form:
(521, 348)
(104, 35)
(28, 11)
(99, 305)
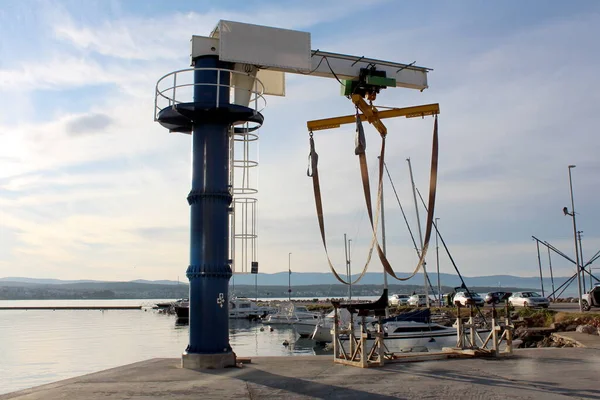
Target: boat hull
(305, 328)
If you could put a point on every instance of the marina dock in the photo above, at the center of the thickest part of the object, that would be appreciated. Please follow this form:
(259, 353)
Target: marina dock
(532, 373)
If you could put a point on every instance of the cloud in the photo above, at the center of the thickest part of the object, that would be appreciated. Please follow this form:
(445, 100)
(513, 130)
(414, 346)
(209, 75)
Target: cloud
(112, 201)
(167, 37)
(88, 124)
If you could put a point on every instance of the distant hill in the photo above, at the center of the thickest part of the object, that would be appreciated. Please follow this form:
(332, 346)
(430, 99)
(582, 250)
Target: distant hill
(161, 282)
(297, 279)
(304, 284)
(372, 278)
(40, 281)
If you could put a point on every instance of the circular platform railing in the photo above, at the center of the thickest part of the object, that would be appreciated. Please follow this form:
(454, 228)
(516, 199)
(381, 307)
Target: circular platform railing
(177, 87)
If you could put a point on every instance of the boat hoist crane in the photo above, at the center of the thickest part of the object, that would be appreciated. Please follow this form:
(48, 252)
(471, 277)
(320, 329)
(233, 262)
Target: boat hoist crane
(368, 84)
(221, 97)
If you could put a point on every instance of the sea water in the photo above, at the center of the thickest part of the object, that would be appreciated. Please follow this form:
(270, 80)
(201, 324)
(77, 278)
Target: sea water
(44, 346)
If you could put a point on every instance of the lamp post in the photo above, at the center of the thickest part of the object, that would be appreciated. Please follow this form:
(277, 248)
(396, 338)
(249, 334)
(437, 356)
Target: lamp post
(572, 214)
(582, 262)
(290, 276)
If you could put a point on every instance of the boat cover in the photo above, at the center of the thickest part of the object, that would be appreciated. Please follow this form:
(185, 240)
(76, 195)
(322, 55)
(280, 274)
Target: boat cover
(423, 316)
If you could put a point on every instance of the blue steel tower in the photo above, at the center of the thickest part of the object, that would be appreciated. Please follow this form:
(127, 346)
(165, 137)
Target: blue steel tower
(208, 118)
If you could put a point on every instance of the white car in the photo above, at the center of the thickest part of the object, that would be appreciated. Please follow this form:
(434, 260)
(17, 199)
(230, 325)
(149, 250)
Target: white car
(417, 300)
(399, 299)
(463, 297)
(528, 299)
(592, 298)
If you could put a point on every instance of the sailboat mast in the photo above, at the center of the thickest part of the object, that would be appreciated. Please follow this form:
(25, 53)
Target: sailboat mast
(412, 181)
(385, 279)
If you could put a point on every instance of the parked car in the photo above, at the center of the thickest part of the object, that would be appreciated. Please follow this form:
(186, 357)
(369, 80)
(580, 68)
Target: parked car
(496, 297)
(399, 299)
(463, 297)
(528, 299)
(591, 299)
(417, 300)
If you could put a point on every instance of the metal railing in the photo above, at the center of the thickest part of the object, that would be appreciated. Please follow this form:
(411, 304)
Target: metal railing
(177, 87)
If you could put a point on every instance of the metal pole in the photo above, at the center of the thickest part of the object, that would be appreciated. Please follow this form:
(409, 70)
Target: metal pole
(420, 233)
(385, 280)
(350, 267)
(575, 238)
(437, 261)
(540, 266)
(290, 276)
(347, 264)
(582, 265)
(210, 198)
(551, 273)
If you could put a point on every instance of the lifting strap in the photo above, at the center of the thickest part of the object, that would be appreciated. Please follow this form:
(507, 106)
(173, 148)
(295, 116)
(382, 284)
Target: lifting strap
(313, 172)
(430, 208)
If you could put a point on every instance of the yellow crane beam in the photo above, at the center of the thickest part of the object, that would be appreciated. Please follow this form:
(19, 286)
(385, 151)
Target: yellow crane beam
(372, 115)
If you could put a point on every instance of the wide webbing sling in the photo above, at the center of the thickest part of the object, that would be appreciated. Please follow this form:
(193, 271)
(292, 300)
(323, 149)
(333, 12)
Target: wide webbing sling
(360, 151)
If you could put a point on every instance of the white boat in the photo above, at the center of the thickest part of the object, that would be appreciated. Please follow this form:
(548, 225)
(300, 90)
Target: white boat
(408, 330)
(291, 314)
(305, 328)
(403, 335)
(322, 330)
(244, 308)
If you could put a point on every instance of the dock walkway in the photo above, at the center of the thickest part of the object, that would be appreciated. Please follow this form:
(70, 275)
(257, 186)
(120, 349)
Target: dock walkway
(531, 373)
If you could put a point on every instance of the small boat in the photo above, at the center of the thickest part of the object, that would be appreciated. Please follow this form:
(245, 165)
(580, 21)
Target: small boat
(407, 330)
(244, 308)
(182, 308)
(239, 308)
(291, 314)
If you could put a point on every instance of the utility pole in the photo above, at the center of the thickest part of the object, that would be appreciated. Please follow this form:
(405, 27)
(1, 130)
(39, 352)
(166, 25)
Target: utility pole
(437, 261)
(426, 284)
(551, 273)
(582, 263)
(572, 214)
(290, 277)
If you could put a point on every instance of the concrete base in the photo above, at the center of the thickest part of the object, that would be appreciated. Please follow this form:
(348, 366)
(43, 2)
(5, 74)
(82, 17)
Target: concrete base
(549, 374)
(207, 361)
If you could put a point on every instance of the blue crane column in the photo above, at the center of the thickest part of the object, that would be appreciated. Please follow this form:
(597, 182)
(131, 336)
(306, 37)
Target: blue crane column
(209, 270)
(209, 119)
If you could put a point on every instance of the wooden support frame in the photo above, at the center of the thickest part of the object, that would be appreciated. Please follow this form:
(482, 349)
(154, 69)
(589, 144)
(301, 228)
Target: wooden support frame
(358, 354)
(474, 344)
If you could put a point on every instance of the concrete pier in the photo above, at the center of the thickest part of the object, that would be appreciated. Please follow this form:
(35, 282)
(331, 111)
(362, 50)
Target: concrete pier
(532, 373)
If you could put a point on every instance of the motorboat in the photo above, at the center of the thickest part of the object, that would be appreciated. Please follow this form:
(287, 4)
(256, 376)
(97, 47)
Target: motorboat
(413, 329)
(291, 314)
(182, 308)
(322, 330)
(244, 308)
(239, 308)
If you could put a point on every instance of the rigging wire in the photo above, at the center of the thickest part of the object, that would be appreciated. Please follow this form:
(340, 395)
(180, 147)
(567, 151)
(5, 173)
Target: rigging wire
(331, 69)
(412, 236)
(451, 258)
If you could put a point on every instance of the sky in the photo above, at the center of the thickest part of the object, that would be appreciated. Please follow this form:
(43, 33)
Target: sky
(92, 188)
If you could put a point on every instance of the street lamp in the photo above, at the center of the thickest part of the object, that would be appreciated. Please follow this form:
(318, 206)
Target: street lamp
(572, 214)
(290, 276)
